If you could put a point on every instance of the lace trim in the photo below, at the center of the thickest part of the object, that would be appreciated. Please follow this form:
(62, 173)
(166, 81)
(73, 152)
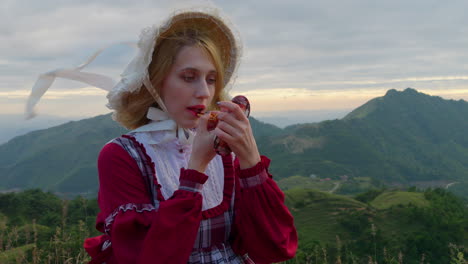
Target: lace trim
(227, 191)
(228, 182)
(139, 208)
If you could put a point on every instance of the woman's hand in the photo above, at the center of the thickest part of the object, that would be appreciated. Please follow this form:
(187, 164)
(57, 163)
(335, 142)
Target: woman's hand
(234, 129)
(202, 148)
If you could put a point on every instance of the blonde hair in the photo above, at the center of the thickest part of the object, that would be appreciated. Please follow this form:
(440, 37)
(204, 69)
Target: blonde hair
(135, 105)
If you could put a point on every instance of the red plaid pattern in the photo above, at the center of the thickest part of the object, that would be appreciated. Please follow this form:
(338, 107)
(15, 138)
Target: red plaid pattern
(190, 186)
(212, 242)
(213, 231)
(136, 150)
(254, 180)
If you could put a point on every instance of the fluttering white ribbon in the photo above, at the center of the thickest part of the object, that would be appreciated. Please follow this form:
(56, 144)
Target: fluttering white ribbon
(160, 120)
(45, 80)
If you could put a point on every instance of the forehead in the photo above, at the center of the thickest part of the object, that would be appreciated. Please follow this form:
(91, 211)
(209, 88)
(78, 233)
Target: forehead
(194, 57)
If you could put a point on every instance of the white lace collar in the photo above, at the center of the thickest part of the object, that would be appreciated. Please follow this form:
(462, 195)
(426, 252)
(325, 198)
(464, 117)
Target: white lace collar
(160, 121)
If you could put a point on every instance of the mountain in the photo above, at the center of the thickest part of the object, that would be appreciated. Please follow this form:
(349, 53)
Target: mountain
(403, 137)
(61, 158)
(379, 223)
(283, 119)
(16, 125)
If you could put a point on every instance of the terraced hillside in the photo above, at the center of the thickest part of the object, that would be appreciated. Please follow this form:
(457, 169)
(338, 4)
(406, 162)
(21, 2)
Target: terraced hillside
(317, 214)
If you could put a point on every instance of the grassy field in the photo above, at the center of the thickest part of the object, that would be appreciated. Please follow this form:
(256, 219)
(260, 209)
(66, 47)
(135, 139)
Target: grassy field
(302, 182)
(389, 199)
(317, 214)
(392, 220)
(15, 255)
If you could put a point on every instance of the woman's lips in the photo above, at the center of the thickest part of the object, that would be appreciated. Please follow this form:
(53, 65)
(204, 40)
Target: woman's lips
(196, 110)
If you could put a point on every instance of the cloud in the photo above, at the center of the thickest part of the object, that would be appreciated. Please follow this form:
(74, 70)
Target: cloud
(293, 49)
(55, 94)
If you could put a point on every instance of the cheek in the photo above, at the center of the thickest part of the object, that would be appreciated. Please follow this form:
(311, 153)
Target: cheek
(170, 88)
(213, 92)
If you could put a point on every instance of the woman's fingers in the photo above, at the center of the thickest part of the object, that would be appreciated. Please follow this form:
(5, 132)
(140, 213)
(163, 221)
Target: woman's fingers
(202, 148)
(230, 133)
(234, 128)
(202, 123)
(224, 136)
(232, 108)
(229, 118)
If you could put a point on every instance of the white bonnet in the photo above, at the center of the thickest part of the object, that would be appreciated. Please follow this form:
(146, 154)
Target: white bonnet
(135, 74)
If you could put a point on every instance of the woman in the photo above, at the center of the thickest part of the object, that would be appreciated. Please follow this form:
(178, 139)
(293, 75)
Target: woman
(165, 195)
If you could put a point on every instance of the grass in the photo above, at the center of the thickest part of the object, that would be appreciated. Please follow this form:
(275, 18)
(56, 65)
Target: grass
(302, 182)
(389, 199)
(390, 222)
(317, 214)
(34, 243)
(16, 255)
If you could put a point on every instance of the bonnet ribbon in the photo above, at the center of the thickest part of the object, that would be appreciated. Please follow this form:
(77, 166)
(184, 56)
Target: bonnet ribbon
(45, 80)
(160, 120)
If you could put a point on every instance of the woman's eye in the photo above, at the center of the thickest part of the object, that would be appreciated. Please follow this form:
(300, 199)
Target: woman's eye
(211, 80)
(188, 78)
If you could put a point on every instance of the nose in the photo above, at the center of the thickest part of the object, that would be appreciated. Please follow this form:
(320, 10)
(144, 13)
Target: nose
(203, 90)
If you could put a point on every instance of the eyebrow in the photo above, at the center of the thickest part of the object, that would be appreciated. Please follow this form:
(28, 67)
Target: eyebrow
(195, 69)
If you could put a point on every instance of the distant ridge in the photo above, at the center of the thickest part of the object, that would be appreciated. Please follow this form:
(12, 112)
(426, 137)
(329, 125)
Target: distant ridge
(400, 138)
(61, 158)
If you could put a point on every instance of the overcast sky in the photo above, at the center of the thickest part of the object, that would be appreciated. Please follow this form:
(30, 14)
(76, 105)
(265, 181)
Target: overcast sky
(301, 56)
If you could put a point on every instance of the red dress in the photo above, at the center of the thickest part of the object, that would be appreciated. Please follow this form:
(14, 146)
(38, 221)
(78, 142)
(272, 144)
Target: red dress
(140, 226)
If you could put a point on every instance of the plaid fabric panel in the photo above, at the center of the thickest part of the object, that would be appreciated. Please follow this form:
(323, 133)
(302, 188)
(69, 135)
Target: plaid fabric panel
(213, 231)
(211, 246)
(190, 186)
(138, 153)
(254, 180)
(222, 254)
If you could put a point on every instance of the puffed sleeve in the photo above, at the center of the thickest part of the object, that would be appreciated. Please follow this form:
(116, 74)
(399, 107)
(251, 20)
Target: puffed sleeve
(263, 226)
(138, 231)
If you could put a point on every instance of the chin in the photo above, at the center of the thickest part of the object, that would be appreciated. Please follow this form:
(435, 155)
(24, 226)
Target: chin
(188, 124)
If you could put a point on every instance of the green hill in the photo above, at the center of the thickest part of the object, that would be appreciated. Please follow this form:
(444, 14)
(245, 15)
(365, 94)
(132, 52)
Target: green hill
(60, 158)
(63, 158)
(302, 182)
(389, 199)
(317, 214)
(402, 138)
(413, 223)
(335, 225)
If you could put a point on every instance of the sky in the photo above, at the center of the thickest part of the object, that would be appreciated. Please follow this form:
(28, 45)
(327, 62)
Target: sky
(301, 59)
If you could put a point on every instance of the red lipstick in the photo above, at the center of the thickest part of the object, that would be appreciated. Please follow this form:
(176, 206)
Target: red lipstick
(197, 110)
